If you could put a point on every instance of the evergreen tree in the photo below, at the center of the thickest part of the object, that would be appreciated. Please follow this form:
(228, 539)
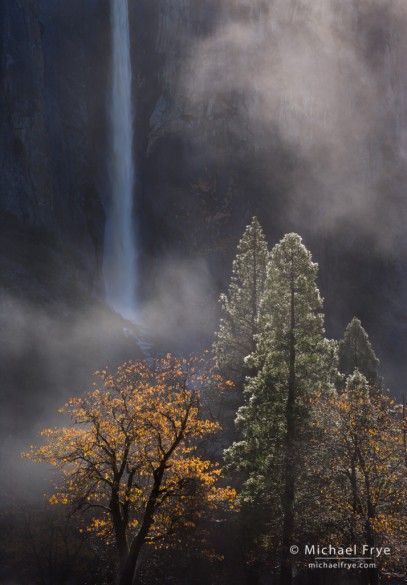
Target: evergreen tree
(235, 341)
(294, 361)
(238, 328)
(356, 352)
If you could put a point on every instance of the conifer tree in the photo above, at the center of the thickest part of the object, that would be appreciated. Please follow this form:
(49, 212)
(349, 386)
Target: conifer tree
(294, 361)
(238, 328)
(356, 352)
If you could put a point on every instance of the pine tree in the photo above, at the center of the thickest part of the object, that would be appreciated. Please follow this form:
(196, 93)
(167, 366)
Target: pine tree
(294, 361)
(238, 328)
(356, 352)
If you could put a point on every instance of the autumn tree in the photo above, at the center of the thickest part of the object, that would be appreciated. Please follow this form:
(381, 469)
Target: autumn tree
(356, 351)
(236, 338)
(294, 360)
(363, 483)
(131, 458)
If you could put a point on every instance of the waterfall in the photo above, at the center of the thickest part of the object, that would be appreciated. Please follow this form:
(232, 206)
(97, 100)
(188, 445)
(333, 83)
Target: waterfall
(119, 260)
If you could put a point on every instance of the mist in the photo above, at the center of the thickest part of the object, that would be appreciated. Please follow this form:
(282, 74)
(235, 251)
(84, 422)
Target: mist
(181, 311)
(329, 80)
(49, 354)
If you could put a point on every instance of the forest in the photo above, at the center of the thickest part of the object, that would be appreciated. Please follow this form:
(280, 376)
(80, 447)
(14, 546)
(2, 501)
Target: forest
(246, 460)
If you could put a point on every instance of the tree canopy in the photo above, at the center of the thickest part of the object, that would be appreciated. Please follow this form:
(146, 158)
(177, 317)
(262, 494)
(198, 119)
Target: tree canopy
(312, 462)
(236, 337)
(294, 360)
(131, 454)
(356, 352)
(362, 472)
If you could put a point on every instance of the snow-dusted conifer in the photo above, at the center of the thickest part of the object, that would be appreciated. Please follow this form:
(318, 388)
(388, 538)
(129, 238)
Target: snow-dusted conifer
(356, 351)
(294, 361)
(236, 338)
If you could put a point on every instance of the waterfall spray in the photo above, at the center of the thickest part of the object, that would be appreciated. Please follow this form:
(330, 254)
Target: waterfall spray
(119, 261)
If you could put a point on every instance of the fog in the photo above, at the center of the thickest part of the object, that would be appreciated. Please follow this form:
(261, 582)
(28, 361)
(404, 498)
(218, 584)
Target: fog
(329, 79)
(314, 90)
(47, 355)
(181, 312)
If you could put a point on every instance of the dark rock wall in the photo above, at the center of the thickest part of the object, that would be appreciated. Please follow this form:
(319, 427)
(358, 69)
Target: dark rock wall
(54, 58)
(205, 161)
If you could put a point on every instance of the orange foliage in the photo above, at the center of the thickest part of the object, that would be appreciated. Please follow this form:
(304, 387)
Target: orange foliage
(132, 454)
(365, 485)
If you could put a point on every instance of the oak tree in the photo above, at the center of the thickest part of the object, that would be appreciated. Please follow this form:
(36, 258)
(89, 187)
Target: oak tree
(131, 457)
(363, 483)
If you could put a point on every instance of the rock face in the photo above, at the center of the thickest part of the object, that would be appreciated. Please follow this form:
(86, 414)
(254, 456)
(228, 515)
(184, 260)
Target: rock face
(53, 63)
(293, 111)
(53, 86)
(290, 110)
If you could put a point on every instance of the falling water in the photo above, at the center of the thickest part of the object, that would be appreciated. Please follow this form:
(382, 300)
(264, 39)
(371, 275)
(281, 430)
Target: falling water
(119, 262)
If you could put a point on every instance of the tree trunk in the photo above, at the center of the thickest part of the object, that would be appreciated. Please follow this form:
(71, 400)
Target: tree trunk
(119, 529)
(373, 573)
(286, 575)
(127, 572)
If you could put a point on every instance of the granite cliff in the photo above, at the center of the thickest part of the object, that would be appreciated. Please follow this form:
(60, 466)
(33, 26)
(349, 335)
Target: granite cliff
(292, 111)
(52, 128)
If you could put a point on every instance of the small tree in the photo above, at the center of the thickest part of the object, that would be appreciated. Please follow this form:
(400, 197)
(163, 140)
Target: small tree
(294, 360)
(130, 456)
(363, 484)
(236, 338)
(356, 351)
